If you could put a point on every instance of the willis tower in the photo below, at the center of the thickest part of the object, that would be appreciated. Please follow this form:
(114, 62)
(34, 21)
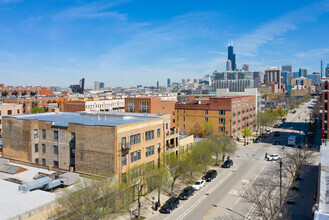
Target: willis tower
(231, 55)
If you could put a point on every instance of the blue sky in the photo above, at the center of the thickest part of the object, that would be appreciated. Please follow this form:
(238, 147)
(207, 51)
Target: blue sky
(130, 42)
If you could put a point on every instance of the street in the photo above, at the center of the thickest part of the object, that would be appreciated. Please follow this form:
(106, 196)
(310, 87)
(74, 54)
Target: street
(220, 199)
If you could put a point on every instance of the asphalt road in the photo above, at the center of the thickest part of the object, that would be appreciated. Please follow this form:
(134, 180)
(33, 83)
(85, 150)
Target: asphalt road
(220, 199)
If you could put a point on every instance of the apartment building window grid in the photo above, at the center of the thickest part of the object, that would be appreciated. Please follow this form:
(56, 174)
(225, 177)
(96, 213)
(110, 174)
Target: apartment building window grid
(135, 139)
(124, 160)
(149, 151)
(36, 148)
(222, 120)
(55, 149)
(159, 132)
(35, 133)
(149, 135)
(143, 107)
(43, 146)
(130, 106)
(221, 112)
(135, 156)
(124, 143)
(9, 112)
(221, 129)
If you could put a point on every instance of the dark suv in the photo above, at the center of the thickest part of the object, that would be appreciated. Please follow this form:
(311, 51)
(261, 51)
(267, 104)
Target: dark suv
(187, 192)
(227, 164)
(211, 174)
(170, 205)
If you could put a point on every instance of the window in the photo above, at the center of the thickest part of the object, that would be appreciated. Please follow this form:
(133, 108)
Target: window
(124, 160)
(43, 133)
(55, 135)
(44, 162)
(135, 139)
(73, 137)
(130, 106)
(206, 112)
(186, 148)
(159, 132)
(149, 151)
(135, 156)
(123, 143)
(222, 121)
(167, 126)
(221, 129)
(35, 133)
(221, 112)
(149, 135)
(0, 112)
(55, 149)
(37, 160)
(206, 119)
(143, 107)
(56, 164)
(17, 111)
(9, 112)
(0, 121)
(182, 149)
(43, 146)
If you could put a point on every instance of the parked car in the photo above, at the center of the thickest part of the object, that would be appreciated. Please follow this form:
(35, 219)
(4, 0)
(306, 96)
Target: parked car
(210, 175)
(186, 193)
(284, 120)
(276, 126)
(268, 132)
(228, 163)
(294, 111)
(170, 205)
(199, 184)
(277, 133)
(271, 157)
(276, 142)
(257, 140)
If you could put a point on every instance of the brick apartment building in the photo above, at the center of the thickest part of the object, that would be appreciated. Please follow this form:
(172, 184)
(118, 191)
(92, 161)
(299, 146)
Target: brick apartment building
(24, 91)
(229, 114)
(273, 78)
(152, 105)
(49, 103)
(89, 142)
(9, 109)
(111, 105)
(325, 107)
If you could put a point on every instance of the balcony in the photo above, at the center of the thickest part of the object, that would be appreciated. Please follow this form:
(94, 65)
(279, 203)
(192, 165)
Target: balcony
(170, 146)
(172, 133)
(125, 149)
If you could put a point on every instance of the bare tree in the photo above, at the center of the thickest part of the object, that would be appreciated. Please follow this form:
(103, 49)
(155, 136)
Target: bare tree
(295, 159)
(264, 195)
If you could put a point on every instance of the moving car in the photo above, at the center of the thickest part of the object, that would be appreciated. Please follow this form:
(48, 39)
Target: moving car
(294, 112)
(211, 174)
(257, 140)
(271, 157)
(277, 133)
(276, 142)
(268, 131)
(227, 164)
(199, 184)
(170, 205)
(186, 193)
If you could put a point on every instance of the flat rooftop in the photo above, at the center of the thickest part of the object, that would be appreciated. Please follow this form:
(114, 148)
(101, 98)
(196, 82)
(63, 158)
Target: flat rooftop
(89, 118)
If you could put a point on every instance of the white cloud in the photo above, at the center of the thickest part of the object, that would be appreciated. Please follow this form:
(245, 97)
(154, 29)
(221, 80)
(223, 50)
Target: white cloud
(248, 44)
(314, 53)
(93, 10)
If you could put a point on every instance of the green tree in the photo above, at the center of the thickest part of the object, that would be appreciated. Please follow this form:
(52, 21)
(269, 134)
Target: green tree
(246, 133)
(37, 109)
(144, 179)
(202, 155)
(208, 128)
(215, 146)
(281, 113)
(94, 198)
(191, 168)
(175, 167)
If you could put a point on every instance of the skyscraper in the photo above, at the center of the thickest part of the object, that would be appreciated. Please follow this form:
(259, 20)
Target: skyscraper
(273, 75)
(231, 55)
(286, 68)
(101, 85)
(303, 72)
(158, 84)
(168, 82)
(97, 85)
(228, 65)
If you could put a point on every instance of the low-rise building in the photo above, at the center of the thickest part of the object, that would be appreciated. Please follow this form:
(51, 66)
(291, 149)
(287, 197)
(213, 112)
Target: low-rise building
(89, 142)
(111, 105)
(153, 105)
(228, 114)
(9, 109)
(49, 103)
(24, 91)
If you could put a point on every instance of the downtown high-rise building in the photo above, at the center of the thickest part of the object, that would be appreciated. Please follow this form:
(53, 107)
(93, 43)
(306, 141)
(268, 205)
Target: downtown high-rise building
(287, 74)
(273, 76)
(302, 72)
(231, 55)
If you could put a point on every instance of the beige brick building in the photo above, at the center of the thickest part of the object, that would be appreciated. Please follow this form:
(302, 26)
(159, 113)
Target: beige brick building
(9, 109)
(89, 142)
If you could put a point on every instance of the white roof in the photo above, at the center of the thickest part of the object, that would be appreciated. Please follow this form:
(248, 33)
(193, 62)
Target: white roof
(14, 202)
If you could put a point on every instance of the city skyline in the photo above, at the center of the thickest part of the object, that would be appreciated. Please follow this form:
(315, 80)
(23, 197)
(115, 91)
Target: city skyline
(145, 42)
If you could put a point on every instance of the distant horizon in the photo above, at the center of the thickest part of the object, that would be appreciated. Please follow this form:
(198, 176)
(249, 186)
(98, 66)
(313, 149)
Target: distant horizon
(125, 43)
